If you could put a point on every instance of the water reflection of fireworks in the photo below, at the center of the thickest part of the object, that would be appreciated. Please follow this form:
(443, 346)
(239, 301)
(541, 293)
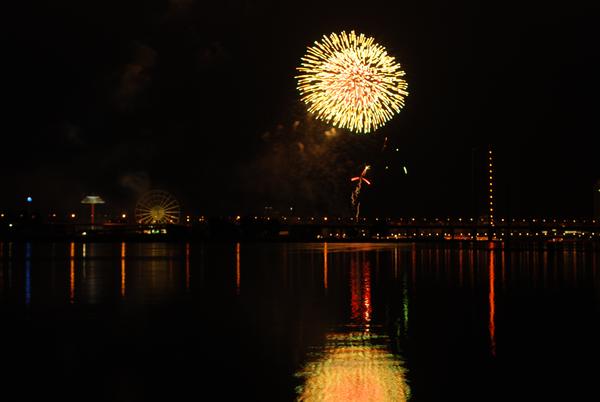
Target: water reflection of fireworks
(354, 366)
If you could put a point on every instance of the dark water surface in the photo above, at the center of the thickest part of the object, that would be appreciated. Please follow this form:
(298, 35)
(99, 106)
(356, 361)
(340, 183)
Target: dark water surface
(282, 322)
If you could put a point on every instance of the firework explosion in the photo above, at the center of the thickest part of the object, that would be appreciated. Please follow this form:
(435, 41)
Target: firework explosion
(351, 82)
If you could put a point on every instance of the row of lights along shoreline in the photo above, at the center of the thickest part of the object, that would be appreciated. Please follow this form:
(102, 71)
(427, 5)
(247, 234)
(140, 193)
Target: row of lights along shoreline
(490, 227)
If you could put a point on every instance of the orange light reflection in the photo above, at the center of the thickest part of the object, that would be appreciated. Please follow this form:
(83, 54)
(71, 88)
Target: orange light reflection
(492, 301)
(460, 266)
(72, 273)
(123, 274)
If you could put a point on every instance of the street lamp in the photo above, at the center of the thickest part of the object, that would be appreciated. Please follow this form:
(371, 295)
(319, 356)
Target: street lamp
(92, 200)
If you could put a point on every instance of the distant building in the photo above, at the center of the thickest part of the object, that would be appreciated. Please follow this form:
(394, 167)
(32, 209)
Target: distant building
(597, 200)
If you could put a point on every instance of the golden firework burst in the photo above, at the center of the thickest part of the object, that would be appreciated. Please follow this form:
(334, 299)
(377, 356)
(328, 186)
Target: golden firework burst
(350, 81)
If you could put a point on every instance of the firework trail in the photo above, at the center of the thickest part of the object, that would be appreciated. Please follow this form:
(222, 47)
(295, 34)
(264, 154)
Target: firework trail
(355, 194)
(362, 177)
(385, 141)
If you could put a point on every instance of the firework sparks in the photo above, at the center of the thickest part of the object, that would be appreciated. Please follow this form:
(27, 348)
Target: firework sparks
(359, 179)
(385, 141)
(350, 81)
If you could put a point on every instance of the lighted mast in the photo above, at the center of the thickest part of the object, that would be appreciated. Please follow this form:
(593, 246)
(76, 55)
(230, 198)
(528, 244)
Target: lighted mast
(491, 186)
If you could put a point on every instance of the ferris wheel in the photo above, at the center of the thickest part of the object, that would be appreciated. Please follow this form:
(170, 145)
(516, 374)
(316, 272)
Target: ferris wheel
(157, 207)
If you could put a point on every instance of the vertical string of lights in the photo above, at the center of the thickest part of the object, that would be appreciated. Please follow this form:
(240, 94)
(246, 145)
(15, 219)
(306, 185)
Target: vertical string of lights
(491, 186)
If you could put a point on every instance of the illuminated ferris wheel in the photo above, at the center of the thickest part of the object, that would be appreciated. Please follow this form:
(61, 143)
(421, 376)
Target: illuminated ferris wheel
(157, 207)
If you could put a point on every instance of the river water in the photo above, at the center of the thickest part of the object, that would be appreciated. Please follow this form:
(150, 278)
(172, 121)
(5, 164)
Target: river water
(299, 321)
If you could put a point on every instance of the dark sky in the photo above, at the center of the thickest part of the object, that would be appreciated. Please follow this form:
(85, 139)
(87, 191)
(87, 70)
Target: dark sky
(199, 98)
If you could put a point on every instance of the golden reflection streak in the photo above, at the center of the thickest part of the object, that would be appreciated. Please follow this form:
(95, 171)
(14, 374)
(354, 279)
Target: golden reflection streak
(123, 273)
(72, 273)
(354, 367)
(237, 268)
(325, 265)
(492, 301)
(187, 266)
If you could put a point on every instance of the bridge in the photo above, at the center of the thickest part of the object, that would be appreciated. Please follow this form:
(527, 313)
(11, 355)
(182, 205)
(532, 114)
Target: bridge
(553, 229)
(324, 228)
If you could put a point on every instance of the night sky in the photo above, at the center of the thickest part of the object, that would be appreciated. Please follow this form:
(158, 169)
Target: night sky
(199, 99)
